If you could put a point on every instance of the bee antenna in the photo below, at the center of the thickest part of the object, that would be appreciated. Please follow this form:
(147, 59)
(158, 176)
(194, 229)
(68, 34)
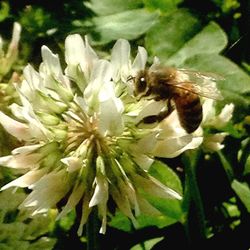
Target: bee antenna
(130, 78)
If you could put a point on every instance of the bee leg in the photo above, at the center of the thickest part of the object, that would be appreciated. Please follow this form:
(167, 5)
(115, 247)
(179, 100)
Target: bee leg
(158, 118)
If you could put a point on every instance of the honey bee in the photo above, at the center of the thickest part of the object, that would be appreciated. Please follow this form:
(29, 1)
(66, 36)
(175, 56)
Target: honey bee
(181, 89)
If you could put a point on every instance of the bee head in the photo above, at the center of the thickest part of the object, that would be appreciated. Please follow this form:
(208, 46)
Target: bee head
(140, 84)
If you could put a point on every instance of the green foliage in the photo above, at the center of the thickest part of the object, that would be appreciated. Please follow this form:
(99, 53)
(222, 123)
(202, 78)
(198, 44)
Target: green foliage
(174, 39)
(108, 7)
(243, 191)
(166, 176)
(147, 245)
(228, 5)
(19, 231)
(37, 22)
(164, 6)
(120, 221)
(4, 11)
(128, 24)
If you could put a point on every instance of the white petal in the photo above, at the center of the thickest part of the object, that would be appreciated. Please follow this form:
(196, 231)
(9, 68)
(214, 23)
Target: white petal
(26, 180)
(13, 47)
(219, 121)
(140, 60)
(127, 190)
(225, 115)
(208, 110)
(51, 62)
(73, 163)
(213, 143)
(146, 144)
(16, 35)
(26, 149)
(213, 146)
(47, 191)
(15, 128)
(143, 161)
(120, 60)
(90, 56)
(150, 108)
(172, 147)
(110, 118)
(21, 161)
(122, 202)
(101, 74)
(101, 191)
(73, 200)
(74, 49)
(33, 79)
(36, 128)
(85, 213)
(79, 54)
(171, 128)
(17, 111)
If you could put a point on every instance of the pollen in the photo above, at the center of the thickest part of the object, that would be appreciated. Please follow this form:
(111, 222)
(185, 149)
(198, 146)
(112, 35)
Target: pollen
(82, 129)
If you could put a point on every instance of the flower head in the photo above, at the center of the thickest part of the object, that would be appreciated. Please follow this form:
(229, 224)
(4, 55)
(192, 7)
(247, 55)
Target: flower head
(80, 134)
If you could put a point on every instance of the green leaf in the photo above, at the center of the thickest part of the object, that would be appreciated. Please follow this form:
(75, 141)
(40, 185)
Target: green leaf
(182, 36)
(147, 245)
(160, 221)
(164, 6)
(128, 25)
(169, 207)
(210, 40)
(243, 192)
(121, 222)
(171, 33)
(166, 175)
(247, 166)
(107, 7)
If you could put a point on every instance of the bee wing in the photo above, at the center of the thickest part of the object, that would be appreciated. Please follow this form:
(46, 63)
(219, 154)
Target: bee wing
(207, 89)
(202, 75)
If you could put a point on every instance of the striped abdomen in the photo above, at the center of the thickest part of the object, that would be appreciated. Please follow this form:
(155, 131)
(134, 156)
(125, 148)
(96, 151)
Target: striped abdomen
(189, 109)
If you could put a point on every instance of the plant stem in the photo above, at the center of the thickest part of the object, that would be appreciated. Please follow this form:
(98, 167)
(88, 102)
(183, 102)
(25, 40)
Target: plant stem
(192, 203)
(92, 231)
(227, 167)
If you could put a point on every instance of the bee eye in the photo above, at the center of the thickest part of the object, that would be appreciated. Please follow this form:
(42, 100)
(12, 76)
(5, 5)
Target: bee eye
(142, 84)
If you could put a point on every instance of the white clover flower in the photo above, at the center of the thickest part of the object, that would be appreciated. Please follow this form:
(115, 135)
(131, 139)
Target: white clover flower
(80, 134)
(8, 58)
(213, 143)
(210, 119)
